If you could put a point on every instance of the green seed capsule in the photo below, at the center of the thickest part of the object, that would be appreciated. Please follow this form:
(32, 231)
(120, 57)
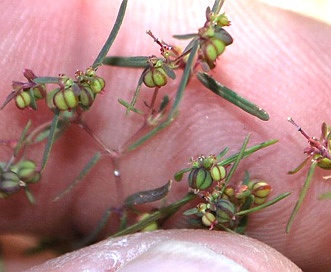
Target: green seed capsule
(208, 219)
(97, 84)
(86, 97)
(259, 200)
(39, 92)
(223, 20)
(229, 192)
(23, 100)
(208, 162)
(225, 210)
(324, 163)
(212, 48)
(155, 77)
(65, 100)
(218, 172)
(151, 227)
(202, 207)
(200, 178)
(261, 189)
(26, 169)
(9, 183)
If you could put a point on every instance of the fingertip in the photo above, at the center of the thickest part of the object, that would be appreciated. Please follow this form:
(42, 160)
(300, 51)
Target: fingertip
(184, 250)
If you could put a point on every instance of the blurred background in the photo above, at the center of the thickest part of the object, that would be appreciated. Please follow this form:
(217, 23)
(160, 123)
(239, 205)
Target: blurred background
(318, 9)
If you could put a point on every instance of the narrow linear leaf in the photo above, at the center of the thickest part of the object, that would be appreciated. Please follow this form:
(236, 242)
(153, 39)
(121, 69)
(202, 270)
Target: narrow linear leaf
(43, 132)
(232, 96)
(148, 135)
(22, 138)
(89, 239)
(169, 71)
(50, 139)
(241, 228)
(174, 110)
(217, 6)
(246, 178)
(325, 196)
(87, 168)
(137, 91)
(129, 62)
(302, 195)
(123, 220)
(46, 80)
(9, 98)
(189, 47)
(239, 157)
(184, 80)
(222, 153)
(247, 152)
(179, 175)
(162, 213)
(185, 36)
(299, 167)
(223, 35)
(129, 106)
(29, 195)
(148, 196)
(165, 101)
(264, 205)
(191, 211)
(118, 22)
(33, 103)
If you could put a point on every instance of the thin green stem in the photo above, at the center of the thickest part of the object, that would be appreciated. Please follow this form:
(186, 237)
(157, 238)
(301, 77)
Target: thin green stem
(302, 196)
(50, 139)
(175, 106)
(240, 156)
(264, 205)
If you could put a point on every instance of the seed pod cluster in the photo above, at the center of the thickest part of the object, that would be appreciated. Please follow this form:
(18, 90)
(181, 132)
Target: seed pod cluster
(210, 49)
(27, 97)
(222, 201)
(79, 92)
(27, 93)
(17, 176)
(213, 39)
(155, 75)
(204, 172)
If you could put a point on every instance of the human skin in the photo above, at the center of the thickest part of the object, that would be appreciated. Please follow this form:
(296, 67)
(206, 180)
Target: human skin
(279, 60)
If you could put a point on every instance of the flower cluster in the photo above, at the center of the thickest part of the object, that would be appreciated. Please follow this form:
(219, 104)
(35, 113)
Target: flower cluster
(222, 202)
(17, 176)
(213, 39)
(77, 93)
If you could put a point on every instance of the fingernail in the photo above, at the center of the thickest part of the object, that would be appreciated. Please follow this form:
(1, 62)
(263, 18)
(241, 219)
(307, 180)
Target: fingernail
(182, 256)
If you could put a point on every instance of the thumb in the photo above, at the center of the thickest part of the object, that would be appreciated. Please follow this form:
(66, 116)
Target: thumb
(180, 250)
